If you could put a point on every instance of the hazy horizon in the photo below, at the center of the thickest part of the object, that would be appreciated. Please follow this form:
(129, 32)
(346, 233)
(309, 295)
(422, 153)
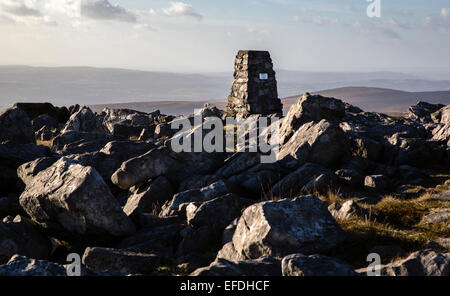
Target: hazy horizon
(200, 36)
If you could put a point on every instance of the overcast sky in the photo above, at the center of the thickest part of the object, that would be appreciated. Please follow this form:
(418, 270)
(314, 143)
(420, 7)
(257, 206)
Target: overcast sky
(204, 35)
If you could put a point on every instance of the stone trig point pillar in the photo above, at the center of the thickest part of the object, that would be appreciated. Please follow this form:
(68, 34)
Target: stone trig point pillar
(254, 89)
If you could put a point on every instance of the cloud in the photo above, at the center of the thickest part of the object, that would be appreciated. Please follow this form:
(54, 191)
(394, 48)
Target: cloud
(178, 9)
(20, 7)
(445, 13)
(144, 27)
(317, 20)
(393, 22)
(104, 10)
(70, 8)
(25, 12)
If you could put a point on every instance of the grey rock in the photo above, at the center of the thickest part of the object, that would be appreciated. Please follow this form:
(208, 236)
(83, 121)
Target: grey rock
(72, 200)
(84, 121)
(175, 206)
(321, 184)
(323, 142)
(437, 216)
(377, 182)
(164, 161)
(310, 108)
(280, 228)
(219, 212)
(44, 120)
(197, 240)
(422, 111)
(228, 232)
(350, 177)
(294, 183)
(11, 157)
(421, 263)
(162, 240)
(266, 266)
(20, 236)
(111, 156)
(23, 266)
(73, 142)
(29, 170)
(114, 260)
(15, 126)
(315, 265)
(347, 210)
(144, 198)
(445, 196)
(439, 243)
(367, 148)
(46, 134)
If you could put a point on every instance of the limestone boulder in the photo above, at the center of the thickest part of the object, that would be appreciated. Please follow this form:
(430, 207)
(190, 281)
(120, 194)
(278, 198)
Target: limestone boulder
(315, 265)
(280, 228)
(73, 201)
(15, 126)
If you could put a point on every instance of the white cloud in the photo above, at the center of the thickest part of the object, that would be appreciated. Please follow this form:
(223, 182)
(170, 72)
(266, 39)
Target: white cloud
(20, 7)
(144, 27)
(25, 12)
(70, 8)
(178, 9)
(104, 10)
(445, 13)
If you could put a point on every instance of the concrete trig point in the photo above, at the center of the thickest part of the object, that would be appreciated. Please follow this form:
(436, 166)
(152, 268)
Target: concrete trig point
(254, 89)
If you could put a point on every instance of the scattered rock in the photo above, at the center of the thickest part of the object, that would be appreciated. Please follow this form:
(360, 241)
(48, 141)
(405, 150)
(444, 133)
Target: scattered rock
(84, 121)
(323, 143)
(23, 266)
(445, 196)
(162, 240)
(219, 212)
(315, 265)
(44, 120)
(144, 198)
(280, 228)
(421, 263)
(73, 142)
(437, 216)
(439, 243)
(15, 126)
(21, 237)
(310, 108)
(114, 260)
(347, 210)
(350, 177)
(294, 183)
(29, 170)
(182, 199)
(377, 182)
(422, 111)
(265, 266)
(72, 200)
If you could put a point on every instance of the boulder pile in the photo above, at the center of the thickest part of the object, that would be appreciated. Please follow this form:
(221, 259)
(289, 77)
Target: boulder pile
(109, 187)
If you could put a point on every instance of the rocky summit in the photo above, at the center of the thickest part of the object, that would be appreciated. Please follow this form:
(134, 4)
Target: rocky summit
(109, 188)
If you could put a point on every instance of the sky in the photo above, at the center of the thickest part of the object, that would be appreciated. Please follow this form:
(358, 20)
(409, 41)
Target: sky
(204, 35)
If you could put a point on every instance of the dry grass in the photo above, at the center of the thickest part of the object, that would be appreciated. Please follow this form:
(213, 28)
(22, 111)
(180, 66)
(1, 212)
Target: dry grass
(330, 197)
(45, 143)
(392, 222)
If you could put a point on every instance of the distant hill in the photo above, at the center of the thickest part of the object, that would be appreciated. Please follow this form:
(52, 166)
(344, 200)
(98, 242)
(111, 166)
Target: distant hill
(367, 98)
(381, 99)
(179, 91)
